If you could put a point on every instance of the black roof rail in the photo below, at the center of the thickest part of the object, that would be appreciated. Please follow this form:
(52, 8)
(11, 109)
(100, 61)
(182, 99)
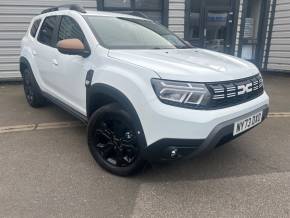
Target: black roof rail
(72, 7)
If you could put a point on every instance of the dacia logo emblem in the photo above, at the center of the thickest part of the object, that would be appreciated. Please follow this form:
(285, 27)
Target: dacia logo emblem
(245, 88)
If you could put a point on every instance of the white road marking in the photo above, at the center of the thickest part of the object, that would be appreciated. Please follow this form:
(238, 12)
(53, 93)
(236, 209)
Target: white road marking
(58, 125)
(18, 128)
(279, 114)
(40, 126)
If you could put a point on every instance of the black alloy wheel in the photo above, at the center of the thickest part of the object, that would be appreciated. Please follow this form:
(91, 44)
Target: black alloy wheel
(28, 87)
(113, 141)
(32, 91)
(116, 142)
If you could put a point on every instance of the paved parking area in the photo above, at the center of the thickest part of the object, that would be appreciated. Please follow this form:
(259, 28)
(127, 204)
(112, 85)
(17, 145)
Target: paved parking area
(49, 172)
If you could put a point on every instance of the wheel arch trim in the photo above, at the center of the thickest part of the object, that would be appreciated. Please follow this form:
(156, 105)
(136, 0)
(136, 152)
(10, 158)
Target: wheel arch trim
(23, 60)
(100, 89)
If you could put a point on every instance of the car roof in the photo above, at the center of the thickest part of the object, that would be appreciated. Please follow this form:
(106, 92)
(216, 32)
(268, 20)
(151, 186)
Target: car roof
(112, 14)
(91, 13)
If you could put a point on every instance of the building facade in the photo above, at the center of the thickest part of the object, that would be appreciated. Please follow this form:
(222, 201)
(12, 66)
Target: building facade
(256, 30)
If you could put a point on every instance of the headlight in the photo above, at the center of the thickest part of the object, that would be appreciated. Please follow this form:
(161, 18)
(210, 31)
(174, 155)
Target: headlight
(182, 94)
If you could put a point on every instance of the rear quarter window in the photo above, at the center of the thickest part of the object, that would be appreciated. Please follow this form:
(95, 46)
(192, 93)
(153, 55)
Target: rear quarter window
(34, 28)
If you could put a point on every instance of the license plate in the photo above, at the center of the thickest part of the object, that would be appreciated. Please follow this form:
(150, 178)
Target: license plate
(247, 123)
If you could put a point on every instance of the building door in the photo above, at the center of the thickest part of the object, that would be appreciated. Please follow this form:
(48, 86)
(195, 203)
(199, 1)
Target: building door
(253, 30)
(217, 30)
(209, 24)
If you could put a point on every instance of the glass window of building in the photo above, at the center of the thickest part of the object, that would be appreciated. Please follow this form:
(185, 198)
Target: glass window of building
(117, 3)
(217, 3)
(152, 9)
(209, 24)
(194, 23)
(252, 28)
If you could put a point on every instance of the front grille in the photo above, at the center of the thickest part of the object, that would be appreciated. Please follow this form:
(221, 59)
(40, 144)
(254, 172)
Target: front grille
(230, 93)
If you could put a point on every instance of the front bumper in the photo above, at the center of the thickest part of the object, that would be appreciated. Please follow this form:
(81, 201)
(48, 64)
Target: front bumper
(161, 121)
(191, 131)
(222, 133)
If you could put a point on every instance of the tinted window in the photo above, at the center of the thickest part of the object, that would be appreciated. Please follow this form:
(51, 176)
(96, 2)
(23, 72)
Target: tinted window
(148, 4)
(194, 28)
(117, 3)
(69, 29)
(45, 35)
(34, 27)
(217, 3)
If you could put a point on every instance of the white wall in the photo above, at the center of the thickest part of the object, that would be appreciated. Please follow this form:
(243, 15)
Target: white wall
(238, 27)
(279, 52)
(176, 16)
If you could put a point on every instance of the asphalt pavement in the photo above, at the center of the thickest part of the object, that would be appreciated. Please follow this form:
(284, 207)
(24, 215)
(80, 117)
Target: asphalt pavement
(49, 172)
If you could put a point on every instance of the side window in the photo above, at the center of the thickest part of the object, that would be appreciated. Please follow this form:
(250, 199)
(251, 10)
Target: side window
(69, 29)
(45, 35)
(34, 28)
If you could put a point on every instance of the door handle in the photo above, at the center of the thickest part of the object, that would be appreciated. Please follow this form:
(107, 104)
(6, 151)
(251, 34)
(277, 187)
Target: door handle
(54, 62)
(34, 52)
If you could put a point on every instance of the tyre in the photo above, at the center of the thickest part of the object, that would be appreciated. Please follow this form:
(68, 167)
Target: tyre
(32, 90)
(112, 139)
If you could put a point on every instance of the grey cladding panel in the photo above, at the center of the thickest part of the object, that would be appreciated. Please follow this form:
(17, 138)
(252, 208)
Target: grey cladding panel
(279, 52)
(176, 16)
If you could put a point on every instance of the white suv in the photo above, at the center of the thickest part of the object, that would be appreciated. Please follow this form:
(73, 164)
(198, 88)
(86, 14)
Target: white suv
(145, 93)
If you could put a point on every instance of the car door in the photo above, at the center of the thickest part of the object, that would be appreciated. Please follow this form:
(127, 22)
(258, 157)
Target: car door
(45, 52)
(71, 73)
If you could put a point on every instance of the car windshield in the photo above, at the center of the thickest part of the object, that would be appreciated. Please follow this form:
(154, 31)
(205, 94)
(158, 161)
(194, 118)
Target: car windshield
(131, 33)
